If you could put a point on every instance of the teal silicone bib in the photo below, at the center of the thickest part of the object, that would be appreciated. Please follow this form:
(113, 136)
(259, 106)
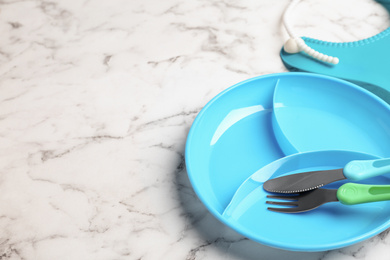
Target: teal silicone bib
(364, 62)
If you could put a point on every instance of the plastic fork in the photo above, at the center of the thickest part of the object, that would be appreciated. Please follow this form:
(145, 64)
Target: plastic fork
(348, 194)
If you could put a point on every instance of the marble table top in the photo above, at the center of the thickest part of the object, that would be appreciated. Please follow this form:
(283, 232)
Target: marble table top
(96, 100)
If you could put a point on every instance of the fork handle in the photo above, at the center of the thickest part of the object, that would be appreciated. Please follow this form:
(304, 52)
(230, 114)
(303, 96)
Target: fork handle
(353, 193)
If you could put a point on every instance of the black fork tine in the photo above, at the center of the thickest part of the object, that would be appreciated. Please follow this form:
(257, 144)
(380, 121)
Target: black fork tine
(283, 203)
(286, 210)
(284, 197)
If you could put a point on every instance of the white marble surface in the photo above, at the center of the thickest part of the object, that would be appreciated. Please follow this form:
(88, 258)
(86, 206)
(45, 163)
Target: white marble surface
(96, 100)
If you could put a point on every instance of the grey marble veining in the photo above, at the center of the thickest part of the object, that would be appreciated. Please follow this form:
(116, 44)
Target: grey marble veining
(96, 100)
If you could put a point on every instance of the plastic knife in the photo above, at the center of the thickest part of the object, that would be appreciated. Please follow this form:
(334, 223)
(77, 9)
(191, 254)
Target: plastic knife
(354, 170)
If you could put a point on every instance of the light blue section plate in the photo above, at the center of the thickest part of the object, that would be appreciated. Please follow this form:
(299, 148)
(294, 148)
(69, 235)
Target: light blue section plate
(230, 139)
(322, 114)
(330, 226)
(233, 137)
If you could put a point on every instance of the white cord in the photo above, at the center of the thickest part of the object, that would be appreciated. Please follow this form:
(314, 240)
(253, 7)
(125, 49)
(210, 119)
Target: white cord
(296, 44)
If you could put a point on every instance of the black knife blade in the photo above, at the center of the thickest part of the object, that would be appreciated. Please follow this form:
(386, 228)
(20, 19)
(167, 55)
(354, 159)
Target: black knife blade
(303, 181)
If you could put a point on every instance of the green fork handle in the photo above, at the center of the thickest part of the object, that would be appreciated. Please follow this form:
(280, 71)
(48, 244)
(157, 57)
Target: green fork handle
(353, 193)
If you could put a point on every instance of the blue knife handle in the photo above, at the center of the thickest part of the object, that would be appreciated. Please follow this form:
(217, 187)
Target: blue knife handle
(363, 169)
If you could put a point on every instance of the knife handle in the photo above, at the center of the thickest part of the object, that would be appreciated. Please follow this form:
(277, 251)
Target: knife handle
(354, 193)
(363, 169)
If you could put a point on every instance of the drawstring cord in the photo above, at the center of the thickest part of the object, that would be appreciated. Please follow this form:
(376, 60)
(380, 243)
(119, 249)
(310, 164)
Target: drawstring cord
(297, 44)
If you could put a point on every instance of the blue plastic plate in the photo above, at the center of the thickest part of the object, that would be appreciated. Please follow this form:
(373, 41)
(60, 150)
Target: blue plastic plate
(233, 137)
